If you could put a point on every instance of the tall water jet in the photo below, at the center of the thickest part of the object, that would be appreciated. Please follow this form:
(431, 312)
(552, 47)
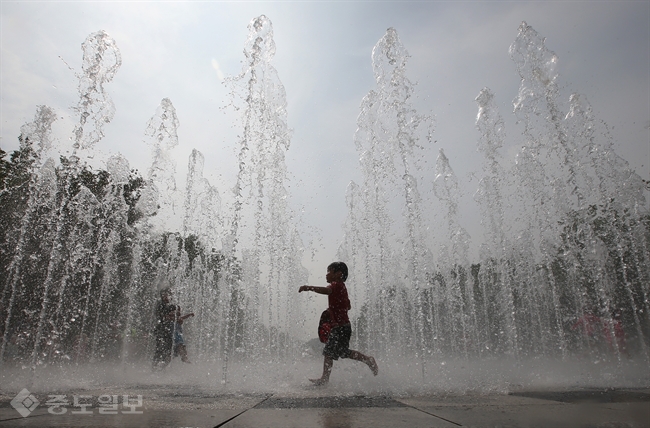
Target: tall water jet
(41, 182)
(202, 203)
(261, 232)
(495, 254)
(101, 60)
(162, 131)
(390, 263)
(611, 206)
(458, 324)
(114, 214)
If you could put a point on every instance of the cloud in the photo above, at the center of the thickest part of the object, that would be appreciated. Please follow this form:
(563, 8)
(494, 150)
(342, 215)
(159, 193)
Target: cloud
(216, 67)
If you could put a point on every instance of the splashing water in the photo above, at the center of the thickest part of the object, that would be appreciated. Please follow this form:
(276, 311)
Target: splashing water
(558, 252)
(202, 203)
(162, 129)
(101, 61)
(387, 138)
(562, 273)
(42, 192)
(261, 227)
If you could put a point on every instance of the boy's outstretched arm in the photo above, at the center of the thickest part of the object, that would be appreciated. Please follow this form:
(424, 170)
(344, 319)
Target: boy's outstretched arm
(315, 289)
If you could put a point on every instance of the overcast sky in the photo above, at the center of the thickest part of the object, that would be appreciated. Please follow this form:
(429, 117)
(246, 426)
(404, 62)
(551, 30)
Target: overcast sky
(183, 50)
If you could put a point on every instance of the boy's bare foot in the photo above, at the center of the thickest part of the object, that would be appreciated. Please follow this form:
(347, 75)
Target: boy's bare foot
(373, 366)
(319, 381)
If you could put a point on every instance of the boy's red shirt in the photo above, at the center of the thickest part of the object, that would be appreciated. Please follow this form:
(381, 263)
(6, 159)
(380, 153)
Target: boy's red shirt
(339, 304)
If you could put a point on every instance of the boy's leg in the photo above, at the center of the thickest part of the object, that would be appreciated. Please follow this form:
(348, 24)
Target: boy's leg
(368, 360)
(328, 362)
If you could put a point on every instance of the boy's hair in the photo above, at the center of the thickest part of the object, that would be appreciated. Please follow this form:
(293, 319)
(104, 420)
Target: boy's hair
(339, 267)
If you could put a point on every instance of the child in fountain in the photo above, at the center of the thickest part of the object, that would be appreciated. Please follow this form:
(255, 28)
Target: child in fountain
(338, 342)
(179, 342)
(168, 331)
(163, 332)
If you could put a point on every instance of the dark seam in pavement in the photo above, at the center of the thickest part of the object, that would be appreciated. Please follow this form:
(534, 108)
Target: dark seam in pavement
(242, 412)
(22, 417)
(431, 414)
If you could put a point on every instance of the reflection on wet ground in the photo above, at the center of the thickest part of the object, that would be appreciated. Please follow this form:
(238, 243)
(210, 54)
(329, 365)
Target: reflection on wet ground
(183, 406)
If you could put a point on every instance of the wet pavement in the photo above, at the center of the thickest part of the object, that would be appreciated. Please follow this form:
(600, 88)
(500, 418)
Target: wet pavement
(190, 407)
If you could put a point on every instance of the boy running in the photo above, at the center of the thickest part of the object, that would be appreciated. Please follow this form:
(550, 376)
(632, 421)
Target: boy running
(338, 343)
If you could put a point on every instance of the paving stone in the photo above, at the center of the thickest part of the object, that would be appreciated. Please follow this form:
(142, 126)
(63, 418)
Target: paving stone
(177, 407)
(349, 417)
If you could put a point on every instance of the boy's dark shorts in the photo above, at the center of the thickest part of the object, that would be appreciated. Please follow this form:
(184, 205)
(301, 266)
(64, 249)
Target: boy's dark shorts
(338, 344)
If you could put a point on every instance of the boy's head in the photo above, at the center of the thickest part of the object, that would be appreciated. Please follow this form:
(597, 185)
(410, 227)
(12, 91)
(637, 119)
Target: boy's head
(339, 267)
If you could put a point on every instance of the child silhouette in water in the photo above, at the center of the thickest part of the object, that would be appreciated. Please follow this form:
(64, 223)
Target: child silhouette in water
(179, 342)
(338, 343)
